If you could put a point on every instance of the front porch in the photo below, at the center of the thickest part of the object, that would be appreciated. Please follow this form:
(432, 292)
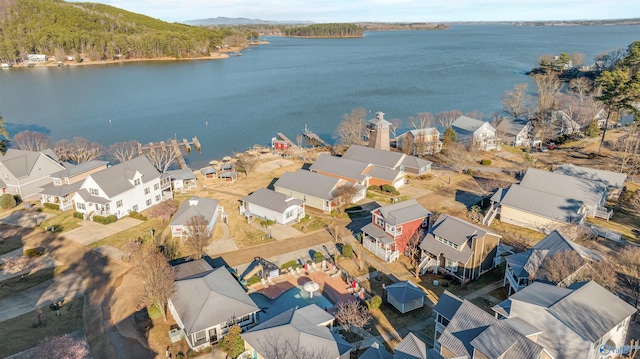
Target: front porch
(64, 202)
(378, 242)
(515, 283)
(201, 339)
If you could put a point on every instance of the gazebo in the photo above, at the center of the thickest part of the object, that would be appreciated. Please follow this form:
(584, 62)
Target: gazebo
(228, 176)
(405, 296)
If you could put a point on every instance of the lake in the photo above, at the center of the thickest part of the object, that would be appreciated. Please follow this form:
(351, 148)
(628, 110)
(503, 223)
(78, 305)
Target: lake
(235, 103)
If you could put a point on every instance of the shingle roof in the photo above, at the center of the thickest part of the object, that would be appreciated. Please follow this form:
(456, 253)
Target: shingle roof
(309, 183)
(472, 327)
(20, 163)
(210, 299)
(411, 347)
(182, 174)
(376, 351)
(447, 305)
(273, 200)
(415, 162)
(195, 206)
(294, 328)
(512, 127)
(377, 233)
(435, 247)
(467, 123)
(61, 190)
(457, 230)
(558, 184)
(543, 204)
(405, 291)
(71, 170)
(117, 179)
(608, 178)
(340, 166)
(88, 197)
(384, 173)
(402, 212)
(374, 156)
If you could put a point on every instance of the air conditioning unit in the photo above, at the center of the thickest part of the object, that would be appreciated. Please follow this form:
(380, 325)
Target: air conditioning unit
(176, 335)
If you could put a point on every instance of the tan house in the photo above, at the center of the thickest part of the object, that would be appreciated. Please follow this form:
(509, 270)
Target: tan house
(418, 142)
(66, 182)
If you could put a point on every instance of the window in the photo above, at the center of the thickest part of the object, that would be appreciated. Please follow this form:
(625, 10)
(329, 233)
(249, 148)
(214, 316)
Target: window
(93, 191)
(447, 242)
(288, 214)
(147, 190)
(119, 204)
(136, 182)
(452, 266)
(135, 208)
(156, 187)
(80, 206)
(66, 180)
(57, 182)
(379, 221)
(157, 198)
(148, 202)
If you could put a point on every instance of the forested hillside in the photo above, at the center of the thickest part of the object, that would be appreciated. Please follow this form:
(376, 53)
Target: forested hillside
(324, 30)
(95, 31)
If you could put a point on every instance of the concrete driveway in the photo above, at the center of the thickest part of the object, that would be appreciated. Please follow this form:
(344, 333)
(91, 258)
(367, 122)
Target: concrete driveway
(90, 232)
(25, 218)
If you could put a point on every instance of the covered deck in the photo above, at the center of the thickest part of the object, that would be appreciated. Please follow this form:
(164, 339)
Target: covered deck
(378, 242)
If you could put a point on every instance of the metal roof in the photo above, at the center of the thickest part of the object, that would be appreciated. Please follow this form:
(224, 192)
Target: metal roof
(402, 212)
(273, 200)
(61, 190)
(435, 247)
(608, 178)
(342, 167)
(405, 291)
(558, 184)
(376, 351)
(543, 204)
(468, 124)
(447, 305)
(182, 174)
(378, 233)
(71, 170)
(374, 156)
(457, 230)
(411, 347)
(512, 127)
(195, 206)
(309, 183)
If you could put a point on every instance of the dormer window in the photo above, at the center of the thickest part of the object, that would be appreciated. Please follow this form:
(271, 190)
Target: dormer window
(447, 242)
(136, 182)
(57, 182)
(93, 191)
(379, 221)
(66, 180)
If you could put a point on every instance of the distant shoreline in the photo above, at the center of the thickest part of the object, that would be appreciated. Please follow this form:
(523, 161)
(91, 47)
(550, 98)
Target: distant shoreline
(222, 54)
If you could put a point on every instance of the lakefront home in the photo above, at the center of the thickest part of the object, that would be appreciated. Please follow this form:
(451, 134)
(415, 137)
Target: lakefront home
(392, 227)
(24, 173)
(194, 206)
(131, 186)
(419, 142)
(388, 159)
(267, 204)
(66, 182)
(517, 132)
(362, 173)
(476, 133)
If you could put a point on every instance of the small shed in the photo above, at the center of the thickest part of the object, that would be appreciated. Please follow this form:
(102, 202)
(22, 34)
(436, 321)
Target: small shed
(229, 176)
(405, 296)
(209, 172)
(229, 167)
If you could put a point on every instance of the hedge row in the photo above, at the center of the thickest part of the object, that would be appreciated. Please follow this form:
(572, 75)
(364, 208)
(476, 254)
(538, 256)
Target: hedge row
(137, 215)
(105, 220)
(52, 206)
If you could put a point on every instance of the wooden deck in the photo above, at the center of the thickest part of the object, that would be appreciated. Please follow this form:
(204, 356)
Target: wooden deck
(315, 140)
(173, 143)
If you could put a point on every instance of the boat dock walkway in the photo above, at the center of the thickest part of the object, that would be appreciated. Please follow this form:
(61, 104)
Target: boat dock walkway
(173, 143)
(282, 137)
(314, 139)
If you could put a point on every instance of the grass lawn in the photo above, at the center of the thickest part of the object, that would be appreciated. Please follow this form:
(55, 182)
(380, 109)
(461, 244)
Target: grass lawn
(142, 230)
(387, 319)
(19, 334)
(14, 285)
(63, 220)
(622, 222)
(511, 233)
(494, 275)
(313, 223)
(350, 266)
(483, 304)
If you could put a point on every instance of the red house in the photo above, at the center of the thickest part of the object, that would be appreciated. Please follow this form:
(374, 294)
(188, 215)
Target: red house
(391, 228)
(279, 144)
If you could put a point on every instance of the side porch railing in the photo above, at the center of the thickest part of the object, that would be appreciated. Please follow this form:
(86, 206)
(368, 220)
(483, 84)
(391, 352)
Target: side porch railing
(385, 254)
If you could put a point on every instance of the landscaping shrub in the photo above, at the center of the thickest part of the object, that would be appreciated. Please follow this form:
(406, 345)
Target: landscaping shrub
(318, 257)
(206, 350)
(154, 312)
(373, 188)
(389, 189)
(52, 206)
(180, 355)
(470, 172)
(592, 155)
(32, 252)
(191, 353)
(290, 264)
(375, 302)
(427, 176)
(78, 215)
(253, 280)
(101, 219)
(334, 213)
(112, 218)
(485, 162)
(304, 219)
(137, 215)
(7, 201)
(347, 251)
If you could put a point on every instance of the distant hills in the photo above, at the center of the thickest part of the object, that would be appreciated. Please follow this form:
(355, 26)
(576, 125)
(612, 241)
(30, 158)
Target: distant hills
(236, 21)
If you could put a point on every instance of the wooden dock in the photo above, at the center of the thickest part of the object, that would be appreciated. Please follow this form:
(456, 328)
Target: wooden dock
(314, 139)
(282, 137)
(151, 147)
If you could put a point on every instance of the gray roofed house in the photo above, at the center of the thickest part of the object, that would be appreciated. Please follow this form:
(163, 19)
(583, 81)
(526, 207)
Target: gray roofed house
(390, 223)
(592, 194)
(24, 173)
(405, 296)
(477, 133)
(422, 141)
(66, 182)
(194, 206)
(522, 267)
(614, 181)
(129, 186)
(516, 132)
(572, 322)
(458, 247)
(472, 330)
(411, 347)
(314, 189)
(204, 303)
(376, 351)
(350, 170)
(183, 179)
(271, 205)
(387, 159)
(296, 330)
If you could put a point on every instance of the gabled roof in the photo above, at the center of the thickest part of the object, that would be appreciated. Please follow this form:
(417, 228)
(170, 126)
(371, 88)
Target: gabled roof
(512, 127)
(117, 179)
(195, 206)
(20, 163)
(429, 131)
(402, 212)
(71, 170)
(556, 207)
(526, 264)
(213, 297)
(61, 190)
(447, 305)
(607, 178)
(558, 184)
(309, 183)
(431, 245)
(376, 351)
(405, 291)
(411, 347)
(384, 173)
(457, 230)
(294, 328)
(378, 121)
(340, 166)
(377, 233)
(374, 156)
(468, 124)
(473, 328)
(182, 174)
(273, 200)
(414, 162)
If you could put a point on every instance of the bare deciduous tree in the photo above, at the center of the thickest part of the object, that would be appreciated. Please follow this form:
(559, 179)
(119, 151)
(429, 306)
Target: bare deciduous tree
(31, 141)
(581, 86)
(395, 124)
(345, 194)
(164, 210)
(548, 86)
(457, 157)
(21, 264)
(124, 151)
(559, 266)
(246, 164)
(446, 118)
(516, 102)
(352, 129)
(62, 347)
(284, 347)
(475, 114)
(162, 159)
(78, 151)
(353, 317)
(577, 59)
(628, 264)
(609, 59)
(197, 235)
(414, 252)
(424, 120)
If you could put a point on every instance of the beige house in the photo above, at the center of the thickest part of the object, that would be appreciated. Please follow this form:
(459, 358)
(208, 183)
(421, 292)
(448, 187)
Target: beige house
(418, 142)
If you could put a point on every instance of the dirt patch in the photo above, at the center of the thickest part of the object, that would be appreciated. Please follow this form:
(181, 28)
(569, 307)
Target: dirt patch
(273, 165)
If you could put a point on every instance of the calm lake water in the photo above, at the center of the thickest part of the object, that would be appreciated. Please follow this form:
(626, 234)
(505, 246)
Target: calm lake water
(235, 103)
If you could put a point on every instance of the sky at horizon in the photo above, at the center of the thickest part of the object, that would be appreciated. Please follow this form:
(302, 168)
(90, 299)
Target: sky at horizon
(383, 10)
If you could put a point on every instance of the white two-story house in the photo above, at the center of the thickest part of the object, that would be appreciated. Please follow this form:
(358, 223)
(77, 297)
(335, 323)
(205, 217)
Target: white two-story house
(476, 133)
(131, 186)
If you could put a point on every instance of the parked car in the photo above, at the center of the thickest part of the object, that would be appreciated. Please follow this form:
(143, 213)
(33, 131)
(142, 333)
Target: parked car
(552, 145)
(544, 149)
